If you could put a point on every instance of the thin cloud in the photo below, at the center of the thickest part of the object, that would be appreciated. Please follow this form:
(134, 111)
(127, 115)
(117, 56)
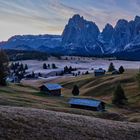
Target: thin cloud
(50, 16)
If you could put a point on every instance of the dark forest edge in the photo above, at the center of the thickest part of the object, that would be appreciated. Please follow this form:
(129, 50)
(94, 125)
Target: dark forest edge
(15, 55)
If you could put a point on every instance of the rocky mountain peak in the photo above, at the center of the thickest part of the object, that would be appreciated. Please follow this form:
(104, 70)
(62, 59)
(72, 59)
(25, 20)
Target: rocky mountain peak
(107, 32)
(137, 19)
(80, 33)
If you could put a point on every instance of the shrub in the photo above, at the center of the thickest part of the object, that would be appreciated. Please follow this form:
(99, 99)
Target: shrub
(121, 69)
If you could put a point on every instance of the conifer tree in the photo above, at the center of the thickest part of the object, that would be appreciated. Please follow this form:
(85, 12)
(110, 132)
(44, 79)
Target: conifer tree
(26, 66)
(48, 65)
(138, 79)
(75, 90)
(54, 66)
(111, 67)
(4, 61)
(44, 66)
(119, 97)
(121, 69)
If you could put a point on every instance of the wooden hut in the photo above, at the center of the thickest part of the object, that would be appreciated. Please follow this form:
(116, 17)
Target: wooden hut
(99, 72)
(51, 89)
(89, 104)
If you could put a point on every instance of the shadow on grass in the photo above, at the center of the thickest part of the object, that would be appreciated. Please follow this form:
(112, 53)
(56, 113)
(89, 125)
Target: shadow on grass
(6, 91)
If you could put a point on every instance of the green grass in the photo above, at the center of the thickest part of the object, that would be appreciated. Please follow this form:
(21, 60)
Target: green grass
(90, 87)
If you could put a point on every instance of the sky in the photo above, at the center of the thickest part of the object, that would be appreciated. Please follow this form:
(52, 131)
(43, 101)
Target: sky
(18, 17)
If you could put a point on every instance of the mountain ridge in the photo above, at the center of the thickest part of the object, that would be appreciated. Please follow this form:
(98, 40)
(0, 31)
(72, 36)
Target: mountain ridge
(83, 37)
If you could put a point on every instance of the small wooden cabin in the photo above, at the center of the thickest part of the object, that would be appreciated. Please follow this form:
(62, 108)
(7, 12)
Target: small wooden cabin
(12, 79)
(89, 104)
(51, 89)
(99, 72)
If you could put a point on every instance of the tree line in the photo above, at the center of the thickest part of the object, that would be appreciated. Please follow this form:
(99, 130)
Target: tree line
(48, 66)
(112, 68)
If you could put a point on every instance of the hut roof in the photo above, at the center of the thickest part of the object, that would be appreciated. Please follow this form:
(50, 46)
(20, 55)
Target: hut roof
(99, 70)
(85, 102)
(52, 86)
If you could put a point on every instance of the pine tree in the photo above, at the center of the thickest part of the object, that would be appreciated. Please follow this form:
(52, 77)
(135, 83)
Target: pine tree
(26, 66)
(119, 97)
(75, 90)
(4, 61)
(111, 67)
(12, 66)
(66, 69)
(79, 72)
(39, 74)
(70, 69)
(21, 67)
(49, 66)
(86, 72)
(138, 79)
(33, 74)
(121, 69)
(53, 66)
(44, 66)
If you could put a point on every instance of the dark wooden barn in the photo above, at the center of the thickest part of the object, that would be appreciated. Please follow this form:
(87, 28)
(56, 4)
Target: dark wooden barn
(99, 72)
(89, 104)
(51, 89)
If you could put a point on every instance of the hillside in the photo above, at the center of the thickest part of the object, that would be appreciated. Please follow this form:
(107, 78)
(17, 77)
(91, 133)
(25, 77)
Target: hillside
(100, 88)
(28, 95)
(33, 124)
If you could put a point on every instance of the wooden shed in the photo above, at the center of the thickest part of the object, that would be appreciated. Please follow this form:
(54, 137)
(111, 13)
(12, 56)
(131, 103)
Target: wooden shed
(51, 89)
(99, 72)
(89, 104)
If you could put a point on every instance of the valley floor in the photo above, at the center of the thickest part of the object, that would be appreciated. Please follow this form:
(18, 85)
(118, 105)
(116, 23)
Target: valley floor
(81, 63)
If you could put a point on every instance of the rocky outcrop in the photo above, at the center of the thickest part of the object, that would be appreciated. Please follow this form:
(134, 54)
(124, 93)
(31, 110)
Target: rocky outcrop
(80, 34)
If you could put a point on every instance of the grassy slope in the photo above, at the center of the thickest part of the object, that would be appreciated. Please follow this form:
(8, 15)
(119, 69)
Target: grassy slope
(103, 88)
(33, 124)
(90, 86)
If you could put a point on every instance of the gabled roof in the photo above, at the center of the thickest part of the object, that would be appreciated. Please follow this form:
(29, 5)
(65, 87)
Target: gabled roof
(85, 102)
(99, 70)
(52, 86)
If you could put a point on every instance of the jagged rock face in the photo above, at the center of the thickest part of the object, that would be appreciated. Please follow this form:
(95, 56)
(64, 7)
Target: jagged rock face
(134, 44)
(105, 38)
(107, 33)
(79, 33)
(85, 36)
(121, 35)
(137, 25)
(124, 35)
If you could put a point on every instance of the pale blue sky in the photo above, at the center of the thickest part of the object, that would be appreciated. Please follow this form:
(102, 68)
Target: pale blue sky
(50, 16)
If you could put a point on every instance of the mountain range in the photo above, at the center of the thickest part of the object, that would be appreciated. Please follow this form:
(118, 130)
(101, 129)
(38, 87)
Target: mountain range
(82, 37)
